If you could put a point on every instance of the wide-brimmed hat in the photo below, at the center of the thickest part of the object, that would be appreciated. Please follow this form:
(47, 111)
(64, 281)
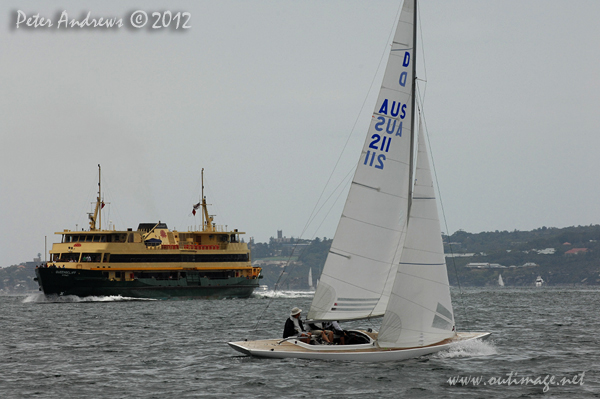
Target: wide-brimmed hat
(295, 311)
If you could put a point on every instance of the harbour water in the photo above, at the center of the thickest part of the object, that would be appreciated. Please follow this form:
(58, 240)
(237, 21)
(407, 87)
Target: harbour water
(120, 348)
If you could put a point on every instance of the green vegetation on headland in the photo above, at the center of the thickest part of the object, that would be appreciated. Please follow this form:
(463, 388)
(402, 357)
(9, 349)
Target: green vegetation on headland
(18, 279)
(567, 256)
(561, 256)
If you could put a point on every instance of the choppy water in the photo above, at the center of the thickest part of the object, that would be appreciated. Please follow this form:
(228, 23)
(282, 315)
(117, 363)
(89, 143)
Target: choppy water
(119, 348)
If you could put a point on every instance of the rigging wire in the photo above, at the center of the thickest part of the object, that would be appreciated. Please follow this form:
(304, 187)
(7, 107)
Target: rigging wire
(107, 193)
(422, 47)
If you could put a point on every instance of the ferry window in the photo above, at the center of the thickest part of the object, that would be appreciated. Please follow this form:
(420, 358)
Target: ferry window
(70, 257)
(103, 239)
(89, 238)
(106, 258)
(91, 257)
(54, 257)
(96, 238)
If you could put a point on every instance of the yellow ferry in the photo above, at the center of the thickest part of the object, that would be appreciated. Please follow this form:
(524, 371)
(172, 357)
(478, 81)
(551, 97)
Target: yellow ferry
(150, 262)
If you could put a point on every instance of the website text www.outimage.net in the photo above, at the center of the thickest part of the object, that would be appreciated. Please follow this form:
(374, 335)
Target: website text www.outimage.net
(511, 379)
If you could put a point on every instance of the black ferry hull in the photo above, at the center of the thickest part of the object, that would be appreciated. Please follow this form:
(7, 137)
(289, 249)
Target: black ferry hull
(183, 285)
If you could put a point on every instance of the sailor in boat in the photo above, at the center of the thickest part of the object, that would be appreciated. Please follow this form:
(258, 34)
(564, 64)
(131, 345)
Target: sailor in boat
(319, 329)
(339, 335)
(295, 328)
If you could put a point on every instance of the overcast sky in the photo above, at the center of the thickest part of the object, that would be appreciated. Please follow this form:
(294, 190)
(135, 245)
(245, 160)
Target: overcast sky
(264, 95)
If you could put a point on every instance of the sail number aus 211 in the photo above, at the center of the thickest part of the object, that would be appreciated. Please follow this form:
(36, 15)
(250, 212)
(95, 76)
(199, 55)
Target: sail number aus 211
(382, 142)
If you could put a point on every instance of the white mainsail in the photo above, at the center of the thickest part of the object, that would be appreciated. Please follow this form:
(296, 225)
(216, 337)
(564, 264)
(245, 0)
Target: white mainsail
(310, 280)
(359, 271)
(500, 281)
(419, 312)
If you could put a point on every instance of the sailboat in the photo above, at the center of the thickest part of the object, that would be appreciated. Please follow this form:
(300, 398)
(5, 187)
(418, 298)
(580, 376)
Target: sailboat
(386, 259)
(539, 281)
(500, 281)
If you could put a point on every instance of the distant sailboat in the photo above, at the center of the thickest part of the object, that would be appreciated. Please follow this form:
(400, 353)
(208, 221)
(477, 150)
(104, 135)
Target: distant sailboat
(310, 280)
(387, 256)
(539, 281)
(500, 281)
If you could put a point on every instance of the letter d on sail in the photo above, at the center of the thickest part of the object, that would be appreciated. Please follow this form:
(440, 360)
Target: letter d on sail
(406, 59)
(403, 76)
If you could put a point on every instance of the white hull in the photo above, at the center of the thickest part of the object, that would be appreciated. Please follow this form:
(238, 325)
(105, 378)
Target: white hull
(371, 352)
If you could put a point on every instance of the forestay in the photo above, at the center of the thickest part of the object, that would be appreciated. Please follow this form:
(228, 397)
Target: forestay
(358, 274)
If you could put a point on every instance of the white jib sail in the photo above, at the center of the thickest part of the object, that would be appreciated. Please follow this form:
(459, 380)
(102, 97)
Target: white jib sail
(359, 271)
(419, 311)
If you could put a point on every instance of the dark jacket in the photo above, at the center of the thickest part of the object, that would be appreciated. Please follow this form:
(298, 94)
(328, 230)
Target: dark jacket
(289, 330)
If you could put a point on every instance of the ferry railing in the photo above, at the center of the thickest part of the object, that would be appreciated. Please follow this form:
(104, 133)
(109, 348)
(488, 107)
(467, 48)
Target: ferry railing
(186, 246)
(218, 228)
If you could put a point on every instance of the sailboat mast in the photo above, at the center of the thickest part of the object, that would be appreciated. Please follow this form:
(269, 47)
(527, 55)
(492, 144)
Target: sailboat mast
(412, 107)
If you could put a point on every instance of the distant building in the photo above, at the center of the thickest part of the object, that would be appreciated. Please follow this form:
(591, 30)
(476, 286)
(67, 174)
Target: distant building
(281, 239)
(459, 255)
(547, 251)
(576, 251)
(486, 266)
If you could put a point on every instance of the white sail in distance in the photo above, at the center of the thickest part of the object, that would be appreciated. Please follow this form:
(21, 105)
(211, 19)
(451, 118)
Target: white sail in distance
(359, 271)
(419, 312)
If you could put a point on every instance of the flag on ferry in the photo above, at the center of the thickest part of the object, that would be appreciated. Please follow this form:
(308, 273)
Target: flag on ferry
(195, 207)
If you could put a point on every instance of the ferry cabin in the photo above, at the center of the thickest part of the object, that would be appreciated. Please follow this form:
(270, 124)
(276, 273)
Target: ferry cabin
(153, 251)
